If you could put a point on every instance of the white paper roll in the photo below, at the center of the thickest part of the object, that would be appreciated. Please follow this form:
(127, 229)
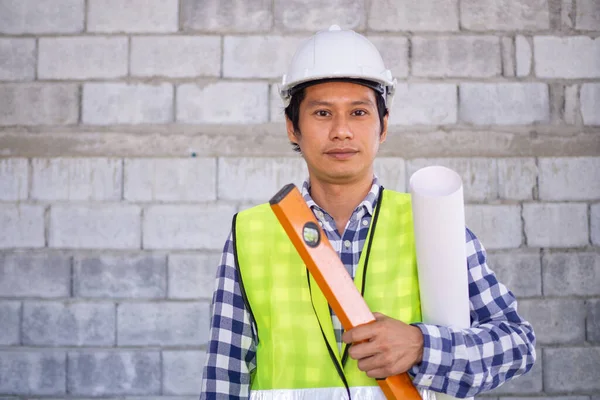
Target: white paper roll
(439, 223)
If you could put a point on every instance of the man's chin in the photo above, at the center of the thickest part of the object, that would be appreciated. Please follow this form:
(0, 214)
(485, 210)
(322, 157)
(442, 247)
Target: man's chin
(340, 175)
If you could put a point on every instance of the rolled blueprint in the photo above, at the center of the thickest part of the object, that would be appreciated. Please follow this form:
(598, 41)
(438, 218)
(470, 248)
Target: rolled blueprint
(439, 226)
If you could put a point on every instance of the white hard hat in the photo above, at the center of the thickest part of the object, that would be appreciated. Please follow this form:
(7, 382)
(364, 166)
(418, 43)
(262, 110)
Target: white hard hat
(337, 53)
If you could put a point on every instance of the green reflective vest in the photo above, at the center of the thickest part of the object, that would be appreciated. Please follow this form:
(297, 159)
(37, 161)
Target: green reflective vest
(296, 346)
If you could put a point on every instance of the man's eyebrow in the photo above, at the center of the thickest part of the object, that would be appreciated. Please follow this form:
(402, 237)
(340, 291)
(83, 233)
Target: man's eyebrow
(317, 103)
(363, 103)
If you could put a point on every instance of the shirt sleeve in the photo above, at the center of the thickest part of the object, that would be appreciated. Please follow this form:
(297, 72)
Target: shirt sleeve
(498, 346)
(231, 353)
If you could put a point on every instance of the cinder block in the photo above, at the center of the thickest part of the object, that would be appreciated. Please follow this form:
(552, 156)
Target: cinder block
(315, 15)
(504, 15)
(168, 179)
(10, 321)
(123, 103)
(569, 178)
(593, 320)
(120, 276)
(82, 57)
(223, 102)
(504, 103)
(571, 112)
(39, 104)
(570, 369)
(14, 178)
(277, 111)
(595, 224)
(394, 51)
(588, 15)
(530, 383)
(497, 226)
(543, 397)
(568, 57)
(18, 59)
(567, 14)
(557, 102)
(424, 104)
(180, 371)
(521, 272)
(165, 397)
(524, 55)
(508, 56)
(175, 56)
(410, 15)
(556, 225)
(258, 56)
(214, 16)
(105, 373)
(555, 321)
(202, 227)
(132, 16)
(517, 178)
(391, 172)
(192, 276)
(22, 226)
(590, 103)
(571, 274)
(163, 324)
(256, 178)
(68, 324)
(76, 179)
(479, 175)
(110, 226)
(37, 373)
(34, 275)
(459, 56)
(41, 16)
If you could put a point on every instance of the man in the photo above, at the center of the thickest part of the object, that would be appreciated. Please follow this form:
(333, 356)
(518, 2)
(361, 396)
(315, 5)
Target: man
(272, 334)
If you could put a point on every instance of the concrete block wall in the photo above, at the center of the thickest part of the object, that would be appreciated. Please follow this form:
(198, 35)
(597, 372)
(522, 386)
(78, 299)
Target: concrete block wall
(131, 131)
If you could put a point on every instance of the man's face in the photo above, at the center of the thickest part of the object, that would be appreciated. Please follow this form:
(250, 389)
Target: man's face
(340, 131)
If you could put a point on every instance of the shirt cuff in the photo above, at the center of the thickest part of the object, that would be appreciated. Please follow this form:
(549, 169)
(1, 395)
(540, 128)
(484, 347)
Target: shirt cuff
(432, 371)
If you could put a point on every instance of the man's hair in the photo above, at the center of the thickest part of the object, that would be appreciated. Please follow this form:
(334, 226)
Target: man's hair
(292, 111)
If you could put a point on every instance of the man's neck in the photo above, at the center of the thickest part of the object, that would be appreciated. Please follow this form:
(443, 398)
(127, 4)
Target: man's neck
(340, 200)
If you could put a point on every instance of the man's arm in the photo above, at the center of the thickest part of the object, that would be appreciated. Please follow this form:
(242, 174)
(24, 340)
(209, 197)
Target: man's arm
(231, 350)
(499, 345)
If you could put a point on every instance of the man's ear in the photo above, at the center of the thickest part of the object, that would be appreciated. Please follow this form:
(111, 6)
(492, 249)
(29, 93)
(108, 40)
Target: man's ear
(290, 130)
(384, 129)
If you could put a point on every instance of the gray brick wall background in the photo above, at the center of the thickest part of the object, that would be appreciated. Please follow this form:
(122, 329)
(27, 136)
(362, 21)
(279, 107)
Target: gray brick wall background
(132, 130)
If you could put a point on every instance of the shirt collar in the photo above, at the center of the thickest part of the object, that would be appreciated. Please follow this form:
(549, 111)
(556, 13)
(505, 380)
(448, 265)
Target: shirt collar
(368, 203)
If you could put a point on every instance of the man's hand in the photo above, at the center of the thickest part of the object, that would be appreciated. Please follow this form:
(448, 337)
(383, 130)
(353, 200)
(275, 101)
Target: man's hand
(385, 347)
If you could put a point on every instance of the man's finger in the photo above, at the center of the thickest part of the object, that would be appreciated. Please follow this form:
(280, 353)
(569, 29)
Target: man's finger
(372, 363)
(377, 373)
(362, 350)
(359, 334)
(379, 316)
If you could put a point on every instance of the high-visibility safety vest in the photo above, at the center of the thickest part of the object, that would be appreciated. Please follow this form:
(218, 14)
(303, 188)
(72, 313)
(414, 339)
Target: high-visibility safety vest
(297, 354)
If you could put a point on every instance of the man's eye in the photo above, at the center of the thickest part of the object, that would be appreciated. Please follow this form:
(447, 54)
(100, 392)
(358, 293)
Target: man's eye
(360, 113)
(322, 113)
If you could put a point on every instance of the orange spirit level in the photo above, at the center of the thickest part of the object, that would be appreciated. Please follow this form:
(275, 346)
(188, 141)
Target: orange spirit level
(327, 269)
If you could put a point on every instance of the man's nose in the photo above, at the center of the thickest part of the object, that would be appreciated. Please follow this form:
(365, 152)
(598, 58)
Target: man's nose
(341, 128)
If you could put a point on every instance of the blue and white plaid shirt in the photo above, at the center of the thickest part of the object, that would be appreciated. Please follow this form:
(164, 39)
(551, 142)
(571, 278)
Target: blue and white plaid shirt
(499, 345)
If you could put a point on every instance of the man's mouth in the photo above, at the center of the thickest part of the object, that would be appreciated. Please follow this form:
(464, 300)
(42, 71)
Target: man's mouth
(341, 154)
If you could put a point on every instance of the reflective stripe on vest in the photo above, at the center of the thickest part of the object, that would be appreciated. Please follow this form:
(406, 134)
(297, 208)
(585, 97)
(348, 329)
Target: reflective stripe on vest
(296, 346)
(357, 393)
